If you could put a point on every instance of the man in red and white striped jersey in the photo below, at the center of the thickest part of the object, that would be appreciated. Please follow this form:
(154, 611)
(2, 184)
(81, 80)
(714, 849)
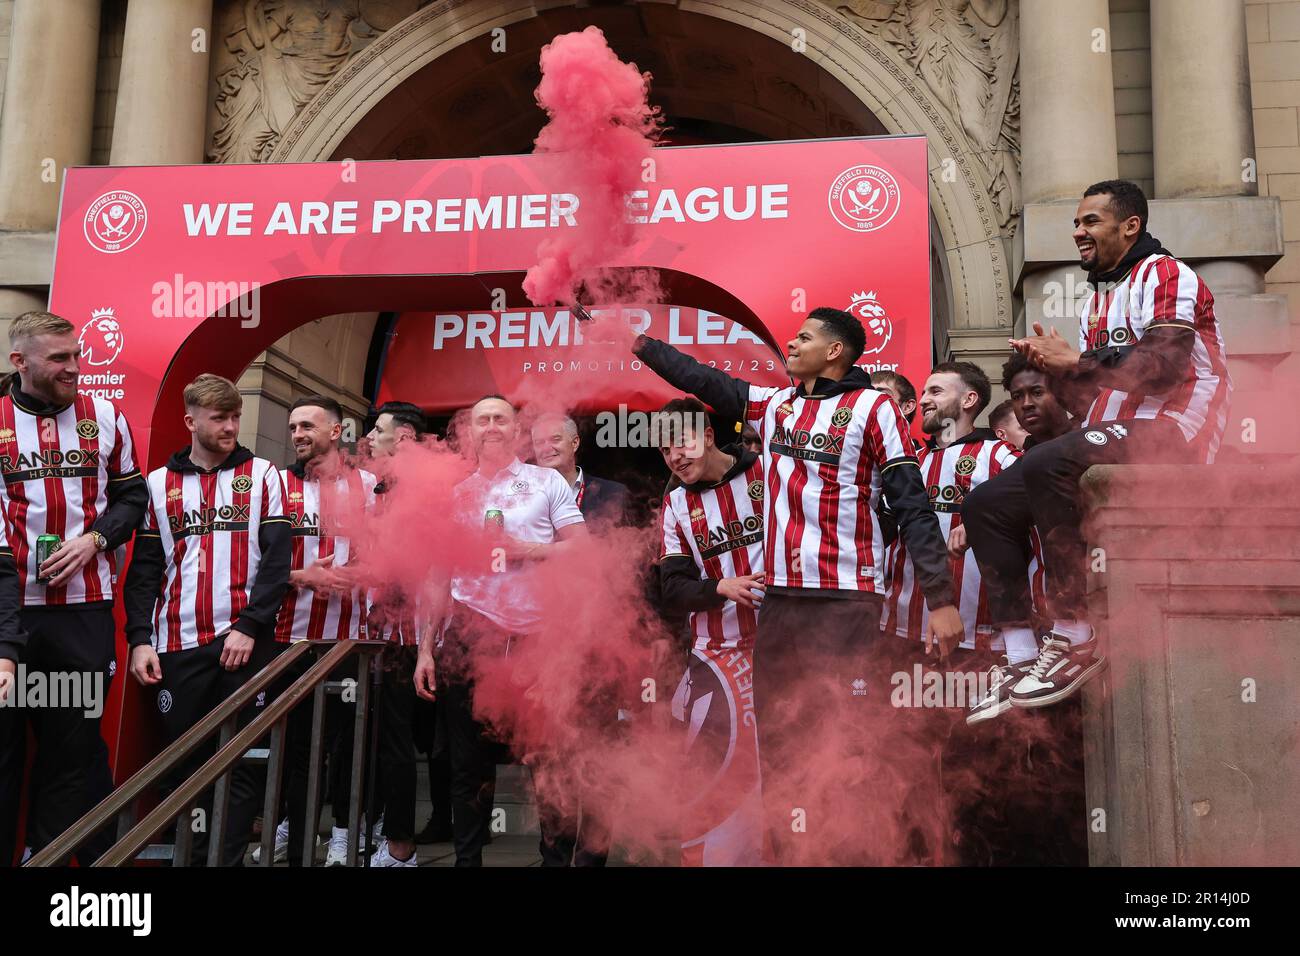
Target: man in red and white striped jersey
(833, 445)
(68, 469)
(325, 499)
(210, 568)
(961, 458)
(1150, 379)
(711, 568)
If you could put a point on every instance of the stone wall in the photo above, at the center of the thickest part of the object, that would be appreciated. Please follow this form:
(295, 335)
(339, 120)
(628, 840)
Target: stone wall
(1273, 32)
(1190, 734)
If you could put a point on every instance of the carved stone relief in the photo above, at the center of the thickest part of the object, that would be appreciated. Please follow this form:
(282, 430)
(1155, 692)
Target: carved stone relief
(276, 56)
(966, 52)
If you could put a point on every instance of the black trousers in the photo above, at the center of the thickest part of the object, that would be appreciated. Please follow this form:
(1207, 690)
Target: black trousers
(1042, 490)
(570, 838)
(193, 684)
(472, 750)
(70, 768)
(431, 739)
(337, 720)
(808, 651)
(397, 743)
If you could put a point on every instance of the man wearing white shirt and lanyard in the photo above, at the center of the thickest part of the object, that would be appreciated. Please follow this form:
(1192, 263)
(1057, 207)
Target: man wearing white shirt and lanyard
(535, 517)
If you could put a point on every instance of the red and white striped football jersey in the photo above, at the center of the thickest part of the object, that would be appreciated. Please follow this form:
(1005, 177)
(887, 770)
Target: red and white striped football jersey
(824, 458)
(209, 524)
(949, 475)
(306, 615)
(56, 472)
(1161, 290)
(721, 530)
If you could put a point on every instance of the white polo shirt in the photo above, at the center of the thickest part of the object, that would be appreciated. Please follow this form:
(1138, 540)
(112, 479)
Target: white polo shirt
(536, 502)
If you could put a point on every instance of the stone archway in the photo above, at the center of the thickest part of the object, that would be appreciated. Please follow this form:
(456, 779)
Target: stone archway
(882, 67)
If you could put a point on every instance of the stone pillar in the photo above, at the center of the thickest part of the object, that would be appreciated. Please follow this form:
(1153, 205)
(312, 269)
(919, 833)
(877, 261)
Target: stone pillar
(1204, 149)
(1200, 99)
(1067, 99)
(161, 93)
(13, 303)
(49, 104)
(1067, 123)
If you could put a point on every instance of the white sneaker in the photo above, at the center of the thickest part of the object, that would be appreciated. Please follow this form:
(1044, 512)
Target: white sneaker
(1002, 677)
(338, 851)
(383, 858)
(281, 852)
(27, 855)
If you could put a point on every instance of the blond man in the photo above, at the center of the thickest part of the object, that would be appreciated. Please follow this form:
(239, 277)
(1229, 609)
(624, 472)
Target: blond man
(69, 480)
(210, 569)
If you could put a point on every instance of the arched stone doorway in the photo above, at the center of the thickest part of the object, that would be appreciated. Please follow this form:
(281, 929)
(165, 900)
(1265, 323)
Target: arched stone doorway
(433, 85)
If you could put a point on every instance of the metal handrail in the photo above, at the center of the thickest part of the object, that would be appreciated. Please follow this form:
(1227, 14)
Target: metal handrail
(232, 748)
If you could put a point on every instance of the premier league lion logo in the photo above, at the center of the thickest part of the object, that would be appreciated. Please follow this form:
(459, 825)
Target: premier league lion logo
(101, 339)
(875, 321)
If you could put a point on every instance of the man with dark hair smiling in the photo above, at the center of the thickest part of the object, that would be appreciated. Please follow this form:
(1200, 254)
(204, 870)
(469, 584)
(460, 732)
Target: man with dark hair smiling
(1150, 381)
(392, 616)
(324, 602)
(834, 444)
(711, 568)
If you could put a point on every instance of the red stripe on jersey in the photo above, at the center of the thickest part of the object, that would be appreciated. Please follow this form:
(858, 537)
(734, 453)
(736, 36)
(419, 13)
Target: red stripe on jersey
(957, 566)
(239, 541)
(203, 591)
(932, 466)
(828, 546)
(89, 502)
(320, 602)
(699, 518)
(297, 560)
(56, 501)
(794, 501)
(16, 495)
(872, 438)
(175, 483)
(740, 556)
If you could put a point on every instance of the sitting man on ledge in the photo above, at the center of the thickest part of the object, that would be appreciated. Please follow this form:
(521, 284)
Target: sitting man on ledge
(1150, 383)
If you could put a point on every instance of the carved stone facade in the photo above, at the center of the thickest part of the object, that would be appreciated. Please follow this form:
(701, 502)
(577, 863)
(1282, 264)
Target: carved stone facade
(275, 56)
(966, 52)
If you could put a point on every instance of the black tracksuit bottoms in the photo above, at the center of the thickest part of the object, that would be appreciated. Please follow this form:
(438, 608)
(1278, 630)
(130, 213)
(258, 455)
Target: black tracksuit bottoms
(70, 768)
(193, 684)
(1041, 490)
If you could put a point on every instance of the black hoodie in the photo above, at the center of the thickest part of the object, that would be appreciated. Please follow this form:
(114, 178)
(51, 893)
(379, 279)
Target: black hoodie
(145, 577)
(127, 495)
(1159, 360)
(901, 485)
(681, 589)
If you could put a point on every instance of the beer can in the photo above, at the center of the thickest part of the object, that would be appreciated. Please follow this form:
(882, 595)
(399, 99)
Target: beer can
(493, 518)
(46, 545)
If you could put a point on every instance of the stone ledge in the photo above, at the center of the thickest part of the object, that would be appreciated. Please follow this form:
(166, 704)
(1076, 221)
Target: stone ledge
(1228, 227)
(1177, 493)
(26, 258)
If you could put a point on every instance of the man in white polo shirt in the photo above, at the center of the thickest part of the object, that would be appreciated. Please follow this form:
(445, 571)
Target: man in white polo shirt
(532, 514)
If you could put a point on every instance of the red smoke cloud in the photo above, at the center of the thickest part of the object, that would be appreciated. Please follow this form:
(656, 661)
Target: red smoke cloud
(602, 127)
